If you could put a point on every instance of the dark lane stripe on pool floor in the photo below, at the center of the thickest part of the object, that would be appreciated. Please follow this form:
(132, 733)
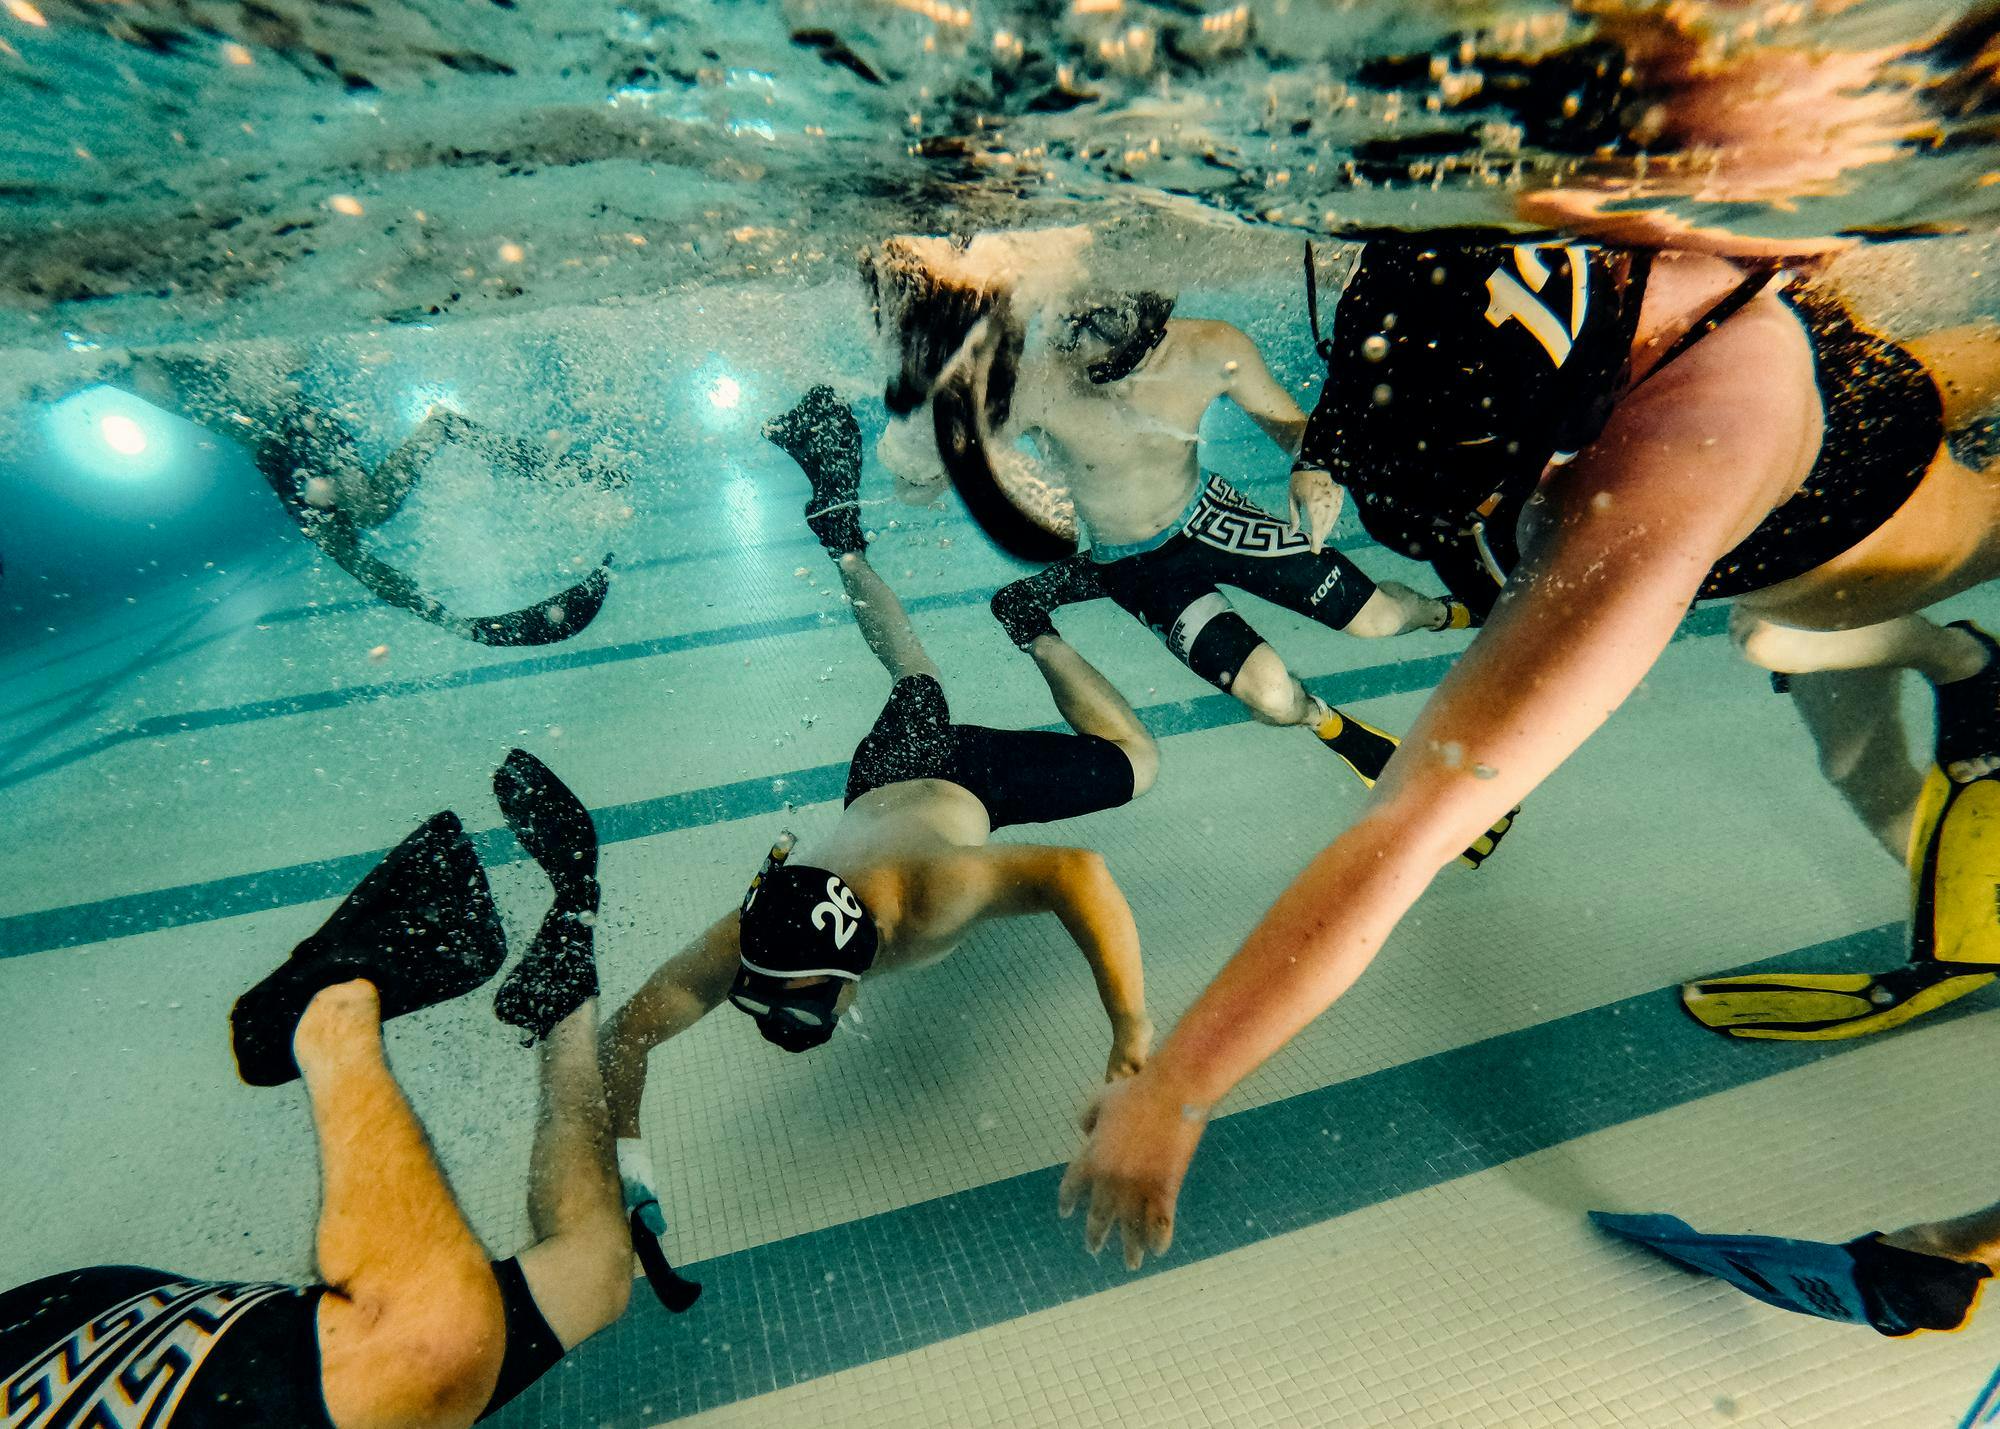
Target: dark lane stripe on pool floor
(133, 913)
(812, 1305)
(314, 701)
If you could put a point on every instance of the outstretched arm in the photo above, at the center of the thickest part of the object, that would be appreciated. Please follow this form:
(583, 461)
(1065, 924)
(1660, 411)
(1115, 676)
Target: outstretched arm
(1632, 528)
(951, 893)
(1249, 384)
(686, 989)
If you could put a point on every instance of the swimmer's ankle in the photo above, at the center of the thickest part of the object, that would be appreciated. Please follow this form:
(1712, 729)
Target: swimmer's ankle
(1949, 1240)
(1961, 656)
(339, 1020)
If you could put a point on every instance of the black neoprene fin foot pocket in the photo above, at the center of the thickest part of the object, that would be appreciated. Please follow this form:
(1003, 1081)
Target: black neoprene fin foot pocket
(421, 926)
(1907, 1291)
(821, 435)
(674, 1292)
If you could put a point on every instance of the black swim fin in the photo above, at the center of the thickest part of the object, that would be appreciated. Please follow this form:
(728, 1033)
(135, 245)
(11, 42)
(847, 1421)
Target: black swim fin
(421, 927)
(548, 622)
(558, 974)
(675, 1292)
(821, 435)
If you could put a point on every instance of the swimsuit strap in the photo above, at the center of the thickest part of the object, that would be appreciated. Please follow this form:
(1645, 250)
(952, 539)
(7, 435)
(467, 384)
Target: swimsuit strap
(1730, 304)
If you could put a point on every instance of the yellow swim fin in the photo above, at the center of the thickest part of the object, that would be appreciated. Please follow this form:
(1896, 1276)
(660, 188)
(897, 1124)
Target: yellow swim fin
(1367, 750)
(1954, 938)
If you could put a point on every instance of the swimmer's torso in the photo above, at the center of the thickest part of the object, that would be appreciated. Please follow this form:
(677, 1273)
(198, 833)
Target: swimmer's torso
(905, 824)
(1129, 448)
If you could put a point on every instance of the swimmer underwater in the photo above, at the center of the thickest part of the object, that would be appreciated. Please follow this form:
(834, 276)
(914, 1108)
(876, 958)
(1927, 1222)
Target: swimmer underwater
(1617, 471)
(310, 461)
(909, 870)
(1116, 398)
(411, 1326)
(1686, 483)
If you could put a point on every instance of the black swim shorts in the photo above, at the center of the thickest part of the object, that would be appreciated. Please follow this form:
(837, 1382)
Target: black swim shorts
(124, 1344)
(1022, 776)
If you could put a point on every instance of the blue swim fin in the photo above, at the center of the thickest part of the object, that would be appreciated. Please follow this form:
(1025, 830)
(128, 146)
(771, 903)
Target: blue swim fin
(1864, 1282)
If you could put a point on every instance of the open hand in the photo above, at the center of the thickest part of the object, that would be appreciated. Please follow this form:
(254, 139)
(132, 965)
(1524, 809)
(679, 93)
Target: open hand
(1138, 1142)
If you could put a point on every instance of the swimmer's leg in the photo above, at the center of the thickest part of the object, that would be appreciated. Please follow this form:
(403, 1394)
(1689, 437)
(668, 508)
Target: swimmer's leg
(820, 434)
(1274, 695)
(1092, 705)
(885, 625)
(1973, 1237)
(1856, 724)
(580, 1267)
(1964, 362)
(412, 1328)
(1331, 589)
(369, 499)
(1958, 660)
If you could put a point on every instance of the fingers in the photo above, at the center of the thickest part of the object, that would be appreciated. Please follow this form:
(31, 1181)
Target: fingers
(1071, 1190)
(1159, 1229)
(1097, 1222)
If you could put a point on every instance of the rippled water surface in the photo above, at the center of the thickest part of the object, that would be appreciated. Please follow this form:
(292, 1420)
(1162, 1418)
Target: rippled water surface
(238, 170)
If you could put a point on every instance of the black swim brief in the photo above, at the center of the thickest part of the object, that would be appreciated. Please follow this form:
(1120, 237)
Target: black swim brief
(1022, 776)
(117, 1345)
(1223, 538)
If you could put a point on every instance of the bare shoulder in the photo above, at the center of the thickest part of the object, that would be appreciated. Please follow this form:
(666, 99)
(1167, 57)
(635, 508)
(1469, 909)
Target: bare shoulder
(1207, 336)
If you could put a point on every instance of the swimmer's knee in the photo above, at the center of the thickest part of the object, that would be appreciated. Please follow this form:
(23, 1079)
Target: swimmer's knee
(1144, 755)
(428, 1355)
(1266, 688)
(1383, 614)
(600, 1271)
(1757, 640)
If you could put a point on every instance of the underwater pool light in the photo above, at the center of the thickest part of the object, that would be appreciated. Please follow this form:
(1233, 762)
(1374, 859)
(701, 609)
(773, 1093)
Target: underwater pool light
(111, 433)
(725, 393)
(122, 434)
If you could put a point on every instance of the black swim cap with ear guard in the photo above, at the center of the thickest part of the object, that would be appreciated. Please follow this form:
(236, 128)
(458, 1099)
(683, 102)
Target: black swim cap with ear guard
(799, 922)
(1130, 324)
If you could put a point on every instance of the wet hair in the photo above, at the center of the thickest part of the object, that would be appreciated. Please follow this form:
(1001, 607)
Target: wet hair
(928, 314)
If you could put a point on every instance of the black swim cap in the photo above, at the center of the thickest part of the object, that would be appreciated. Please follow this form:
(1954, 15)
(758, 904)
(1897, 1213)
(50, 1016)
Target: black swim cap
(800, 922)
